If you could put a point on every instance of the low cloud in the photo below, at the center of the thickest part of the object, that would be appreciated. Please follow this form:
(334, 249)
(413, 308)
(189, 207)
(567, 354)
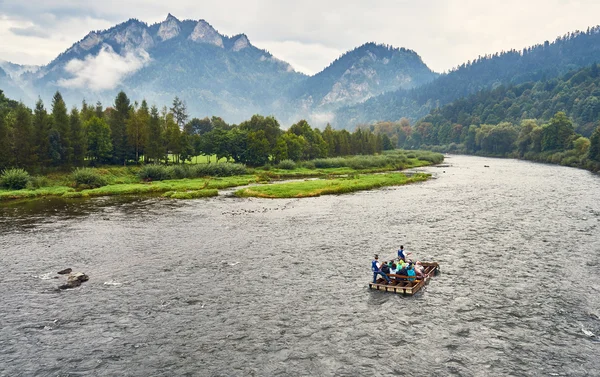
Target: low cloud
(104, 71)
(30, 31)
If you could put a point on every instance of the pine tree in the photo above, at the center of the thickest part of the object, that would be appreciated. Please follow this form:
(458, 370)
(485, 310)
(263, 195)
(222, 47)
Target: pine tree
(6, 157)
(118, 129)
(98, 140)
(77, 138)
(154, 144)
(62, 147)
(179, 111)
(22, 127)
(41, 129)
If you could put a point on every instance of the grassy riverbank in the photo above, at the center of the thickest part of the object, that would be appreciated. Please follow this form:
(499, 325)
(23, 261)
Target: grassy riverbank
(204, 180)
(331, 186)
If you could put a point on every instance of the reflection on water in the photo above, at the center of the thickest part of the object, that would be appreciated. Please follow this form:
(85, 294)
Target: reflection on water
(228, 286)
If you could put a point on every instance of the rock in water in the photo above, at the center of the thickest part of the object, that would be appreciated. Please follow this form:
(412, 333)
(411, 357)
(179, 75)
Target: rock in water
(74, 280)
(65, 271)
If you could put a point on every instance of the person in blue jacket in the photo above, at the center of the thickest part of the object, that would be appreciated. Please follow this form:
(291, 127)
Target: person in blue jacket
(376, 267)
(410, 272)
(402, 254)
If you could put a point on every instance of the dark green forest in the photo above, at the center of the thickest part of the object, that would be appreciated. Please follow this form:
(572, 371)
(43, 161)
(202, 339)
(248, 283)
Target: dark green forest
(537, 63)
(132, 133)
(555, 120)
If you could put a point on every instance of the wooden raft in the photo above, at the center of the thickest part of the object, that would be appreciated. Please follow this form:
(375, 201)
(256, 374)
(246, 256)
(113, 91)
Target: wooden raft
(407, 287)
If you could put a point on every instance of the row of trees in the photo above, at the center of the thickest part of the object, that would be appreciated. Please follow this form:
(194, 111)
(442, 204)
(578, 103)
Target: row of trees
(554, 141)
(131, 133)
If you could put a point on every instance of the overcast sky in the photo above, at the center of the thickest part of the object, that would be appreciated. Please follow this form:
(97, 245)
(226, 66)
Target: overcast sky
(308, 34)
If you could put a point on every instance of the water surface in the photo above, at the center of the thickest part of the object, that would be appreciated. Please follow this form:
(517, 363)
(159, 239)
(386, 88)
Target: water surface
(237, 287)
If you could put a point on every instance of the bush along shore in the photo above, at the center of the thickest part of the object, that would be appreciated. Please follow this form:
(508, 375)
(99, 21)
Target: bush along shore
(190, 181)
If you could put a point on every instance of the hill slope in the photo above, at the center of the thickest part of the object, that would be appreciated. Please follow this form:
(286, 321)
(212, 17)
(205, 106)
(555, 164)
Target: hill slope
(213, 73)
(547, 60)
(365, 72)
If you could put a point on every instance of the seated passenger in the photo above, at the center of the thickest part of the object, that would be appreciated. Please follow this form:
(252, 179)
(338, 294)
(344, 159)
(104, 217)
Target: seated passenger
(385, 268)
(402, 272)
(420, 270)
(410, 271)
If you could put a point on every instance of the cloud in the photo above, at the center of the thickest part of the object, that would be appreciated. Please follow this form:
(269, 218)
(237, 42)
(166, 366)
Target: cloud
(105, 70)
(445, 33)
(304, 57)
(30, 31)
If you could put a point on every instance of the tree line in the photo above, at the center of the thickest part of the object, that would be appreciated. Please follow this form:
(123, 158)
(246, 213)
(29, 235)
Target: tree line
(133, 133)
(554, 141)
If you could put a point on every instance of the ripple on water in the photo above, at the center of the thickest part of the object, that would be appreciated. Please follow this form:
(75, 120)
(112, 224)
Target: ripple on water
(230, 286)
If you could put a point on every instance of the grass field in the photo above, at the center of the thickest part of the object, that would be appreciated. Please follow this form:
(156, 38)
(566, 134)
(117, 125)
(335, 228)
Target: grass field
(318, 187)
(126, 180)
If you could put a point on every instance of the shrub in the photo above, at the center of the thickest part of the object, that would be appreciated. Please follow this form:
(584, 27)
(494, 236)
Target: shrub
(218, 170)
(88, 178)
(154, 172)
(309, 164)
(178, 172)
(38, 182)
(14, 179)
(287, 165)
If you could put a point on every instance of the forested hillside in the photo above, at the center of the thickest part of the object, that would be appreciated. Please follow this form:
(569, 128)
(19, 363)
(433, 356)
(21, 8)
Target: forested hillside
(555, 120)
(576, 93)
(362, 73)
(540, 62)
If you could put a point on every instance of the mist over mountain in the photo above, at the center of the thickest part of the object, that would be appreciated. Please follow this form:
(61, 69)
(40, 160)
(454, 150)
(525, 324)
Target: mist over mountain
(213, 73)
(539, 62)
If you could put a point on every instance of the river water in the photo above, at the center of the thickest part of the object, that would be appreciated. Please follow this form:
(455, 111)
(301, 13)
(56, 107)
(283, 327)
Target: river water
(254, 287)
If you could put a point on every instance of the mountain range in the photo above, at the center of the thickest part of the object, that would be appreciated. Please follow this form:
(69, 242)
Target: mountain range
(213, 73)
(231, 78)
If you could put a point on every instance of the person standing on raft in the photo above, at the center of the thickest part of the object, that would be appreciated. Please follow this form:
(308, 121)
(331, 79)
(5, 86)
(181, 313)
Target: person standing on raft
(402, 255)
(376, 267)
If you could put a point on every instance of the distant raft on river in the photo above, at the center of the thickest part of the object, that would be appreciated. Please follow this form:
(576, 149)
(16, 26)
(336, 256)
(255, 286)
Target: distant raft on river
(403, 285)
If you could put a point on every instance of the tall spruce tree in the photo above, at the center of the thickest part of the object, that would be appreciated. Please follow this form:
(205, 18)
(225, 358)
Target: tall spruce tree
(62, 149)
(6, 156)
(41, 130)
(118, 129)
(154, 143)
(24, 155)
(77, 138)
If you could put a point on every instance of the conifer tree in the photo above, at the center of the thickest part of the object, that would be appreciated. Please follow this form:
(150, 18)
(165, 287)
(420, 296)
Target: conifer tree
(77, 138)
(62, 148)
(41, 130)
(118, 129)
(154, 144)
(98, 140)
(22, 129)
(5, 142)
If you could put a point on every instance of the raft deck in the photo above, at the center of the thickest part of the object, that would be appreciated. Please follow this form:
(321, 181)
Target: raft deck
(407, 287)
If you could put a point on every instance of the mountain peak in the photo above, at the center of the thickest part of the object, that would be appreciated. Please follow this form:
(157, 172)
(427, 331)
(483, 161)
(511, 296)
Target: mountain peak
(169, 28)
(241, 42)
(205, 33)
(170, 17)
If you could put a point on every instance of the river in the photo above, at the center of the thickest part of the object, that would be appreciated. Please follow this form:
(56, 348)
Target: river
(255, 287)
